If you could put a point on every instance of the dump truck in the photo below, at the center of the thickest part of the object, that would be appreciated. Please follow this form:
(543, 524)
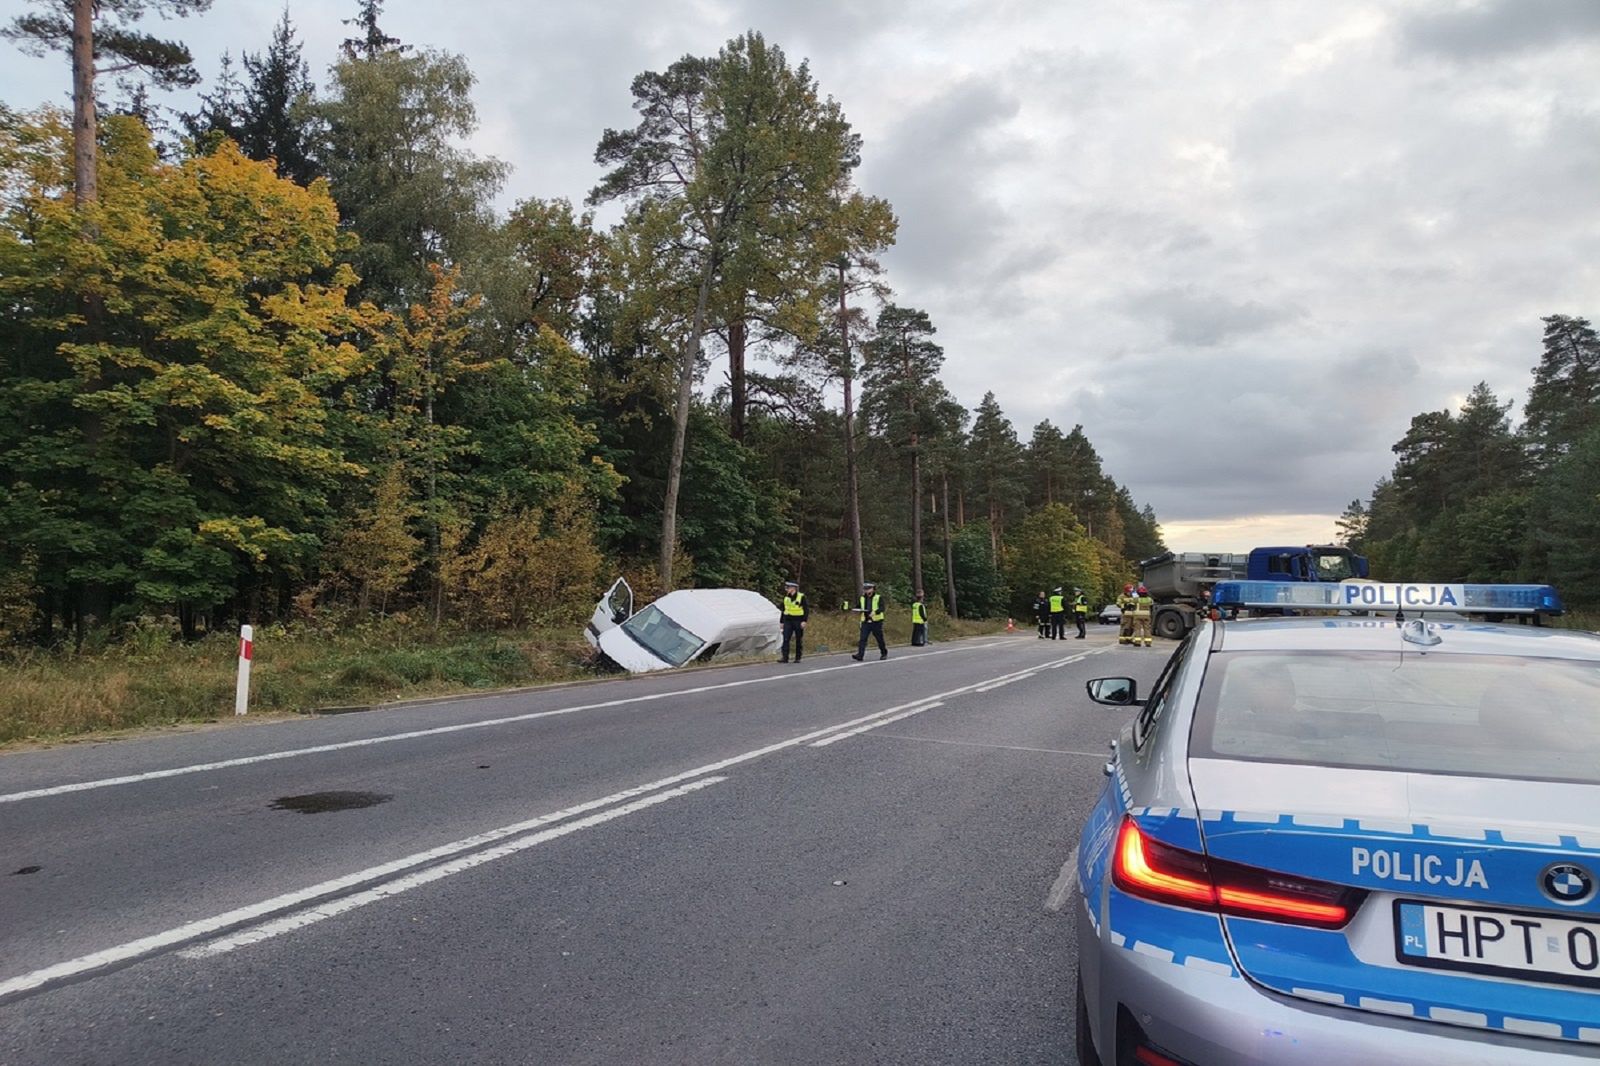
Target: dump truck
(1180, 581)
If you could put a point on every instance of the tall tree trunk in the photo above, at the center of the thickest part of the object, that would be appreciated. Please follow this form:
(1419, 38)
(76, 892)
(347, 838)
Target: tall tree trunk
(916, 467)
(853, 488)
(737, 388)
(916, 513)
(949, 549)
(994, 530)
(85, 181)
(680, 424)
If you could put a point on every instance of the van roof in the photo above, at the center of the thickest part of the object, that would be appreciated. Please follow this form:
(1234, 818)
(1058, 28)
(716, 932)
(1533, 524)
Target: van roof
(708, 612)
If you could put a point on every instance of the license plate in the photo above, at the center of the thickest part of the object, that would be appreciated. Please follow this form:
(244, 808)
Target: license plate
(1525, 944)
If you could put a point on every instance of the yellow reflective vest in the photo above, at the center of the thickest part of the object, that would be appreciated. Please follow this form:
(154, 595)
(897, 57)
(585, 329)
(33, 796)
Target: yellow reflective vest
(872, 612)
(795, 606)
(1058, 603)
(919, 614)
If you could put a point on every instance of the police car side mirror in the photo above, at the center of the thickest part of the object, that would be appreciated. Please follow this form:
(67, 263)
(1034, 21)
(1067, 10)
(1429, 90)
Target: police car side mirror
(1114, 691)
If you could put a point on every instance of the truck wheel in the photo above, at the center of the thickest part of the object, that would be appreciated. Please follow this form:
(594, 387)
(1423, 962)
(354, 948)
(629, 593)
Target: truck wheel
(1169, 624)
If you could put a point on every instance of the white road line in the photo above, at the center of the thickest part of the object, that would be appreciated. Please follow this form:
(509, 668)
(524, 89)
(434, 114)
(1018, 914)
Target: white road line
(1065, 882)
(927, 703)
(245, 915)
(334, 908)
(206, 926)
(457, 727)
(1003, 747)
(835, 738)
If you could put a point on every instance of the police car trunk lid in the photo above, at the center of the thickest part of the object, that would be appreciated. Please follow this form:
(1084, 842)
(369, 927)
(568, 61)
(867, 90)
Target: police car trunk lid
(1449, 867)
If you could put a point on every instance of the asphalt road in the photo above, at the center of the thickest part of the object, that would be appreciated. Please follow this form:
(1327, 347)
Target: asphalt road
(831, 863)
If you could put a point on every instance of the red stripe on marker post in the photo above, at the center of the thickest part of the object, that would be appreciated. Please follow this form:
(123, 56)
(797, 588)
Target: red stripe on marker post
(241, 690)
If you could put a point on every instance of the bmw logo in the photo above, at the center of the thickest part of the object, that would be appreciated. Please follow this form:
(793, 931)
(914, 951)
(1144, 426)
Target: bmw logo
(1567, 883)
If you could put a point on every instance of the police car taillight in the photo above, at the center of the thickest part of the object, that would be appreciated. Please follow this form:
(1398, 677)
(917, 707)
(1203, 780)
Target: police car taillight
(1145, 867)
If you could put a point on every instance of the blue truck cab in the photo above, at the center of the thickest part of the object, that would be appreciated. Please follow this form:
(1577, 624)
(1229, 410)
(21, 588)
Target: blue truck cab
(1313, 562)
(1181, 582)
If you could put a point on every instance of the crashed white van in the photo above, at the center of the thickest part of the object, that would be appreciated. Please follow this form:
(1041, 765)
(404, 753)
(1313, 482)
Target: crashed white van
(690, 625)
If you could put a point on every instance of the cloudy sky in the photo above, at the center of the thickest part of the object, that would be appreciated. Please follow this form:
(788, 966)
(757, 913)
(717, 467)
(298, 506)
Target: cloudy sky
(1241, 241)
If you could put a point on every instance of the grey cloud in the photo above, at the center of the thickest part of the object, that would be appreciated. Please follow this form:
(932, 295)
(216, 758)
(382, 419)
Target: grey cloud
(1194, 317)
(935, 167)
(1500, 27)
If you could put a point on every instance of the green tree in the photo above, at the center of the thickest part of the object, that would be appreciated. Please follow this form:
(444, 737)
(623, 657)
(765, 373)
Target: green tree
(276, 116)
(1564, 401)
(393, 123)
(187, 447)
(902, 398)
(1571, 527)
(995, 458)
(1049, 548)
(738, 158)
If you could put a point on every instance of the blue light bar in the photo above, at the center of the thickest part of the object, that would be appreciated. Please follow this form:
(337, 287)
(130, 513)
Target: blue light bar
(1388, 597)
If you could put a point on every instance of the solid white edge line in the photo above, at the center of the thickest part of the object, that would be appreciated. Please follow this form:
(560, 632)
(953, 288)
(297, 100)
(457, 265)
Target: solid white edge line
(333, 908)
(243, 915)
(457, 727)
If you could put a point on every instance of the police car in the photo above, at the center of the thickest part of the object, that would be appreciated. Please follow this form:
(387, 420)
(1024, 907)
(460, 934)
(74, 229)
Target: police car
(1362, 831)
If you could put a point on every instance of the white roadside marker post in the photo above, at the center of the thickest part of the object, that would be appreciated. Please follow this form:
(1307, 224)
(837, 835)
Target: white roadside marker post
(241, 691)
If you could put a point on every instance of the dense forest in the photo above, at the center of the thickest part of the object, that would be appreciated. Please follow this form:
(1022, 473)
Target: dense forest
(281, 356)
(1473, 499)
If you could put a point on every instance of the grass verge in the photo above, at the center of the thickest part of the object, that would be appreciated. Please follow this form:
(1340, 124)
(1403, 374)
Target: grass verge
(154, 681)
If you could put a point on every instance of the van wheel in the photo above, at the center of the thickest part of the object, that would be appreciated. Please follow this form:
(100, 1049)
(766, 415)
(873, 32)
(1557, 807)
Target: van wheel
(1087, 1056)
(1170, 625)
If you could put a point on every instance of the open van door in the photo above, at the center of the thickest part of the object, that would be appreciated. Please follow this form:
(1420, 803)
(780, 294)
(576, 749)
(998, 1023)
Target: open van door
(614, 608)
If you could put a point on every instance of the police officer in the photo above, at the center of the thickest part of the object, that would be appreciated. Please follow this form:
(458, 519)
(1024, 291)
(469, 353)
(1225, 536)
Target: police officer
(919, 621)
(1058, 614)
(870, 607)
(1080, 612)
(1143, 607)
(795, 612)
(1041, 614)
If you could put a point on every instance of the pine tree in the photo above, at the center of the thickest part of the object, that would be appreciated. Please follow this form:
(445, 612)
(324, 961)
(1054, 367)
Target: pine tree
(100, 37)
(275, 118)
(1564, 401)
(372, 42)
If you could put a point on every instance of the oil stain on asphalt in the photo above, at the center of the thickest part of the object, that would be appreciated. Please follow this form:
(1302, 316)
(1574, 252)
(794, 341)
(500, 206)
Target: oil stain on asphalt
(323, 802)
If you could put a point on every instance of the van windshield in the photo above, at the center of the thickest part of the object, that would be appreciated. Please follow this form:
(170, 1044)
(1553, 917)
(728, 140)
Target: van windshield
(661, 636)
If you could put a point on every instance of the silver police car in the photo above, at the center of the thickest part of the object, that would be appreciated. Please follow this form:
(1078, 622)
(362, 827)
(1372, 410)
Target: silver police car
(1370, 835)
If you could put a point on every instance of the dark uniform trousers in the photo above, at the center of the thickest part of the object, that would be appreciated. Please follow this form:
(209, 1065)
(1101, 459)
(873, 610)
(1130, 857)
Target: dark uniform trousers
(793, 626)
(870, 628)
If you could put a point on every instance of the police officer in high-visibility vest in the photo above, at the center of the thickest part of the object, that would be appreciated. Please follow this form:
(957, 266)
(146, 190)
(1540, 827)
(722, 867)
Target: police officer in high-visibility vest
(1058, 615)
(1143, 605)
(919, 621)
(870, 607)
(795, 612)
(1080, 613)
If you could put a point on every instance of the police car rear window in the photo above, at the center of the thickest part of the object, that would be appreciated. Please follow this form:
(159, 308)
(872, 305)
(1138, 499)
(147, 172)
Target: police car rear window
(1489, 716)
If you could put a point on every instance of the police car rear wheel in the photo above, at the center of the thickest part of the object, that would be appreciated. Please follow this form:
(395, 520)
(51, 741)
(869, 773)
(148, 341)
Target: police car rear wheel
(1087, 1056)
